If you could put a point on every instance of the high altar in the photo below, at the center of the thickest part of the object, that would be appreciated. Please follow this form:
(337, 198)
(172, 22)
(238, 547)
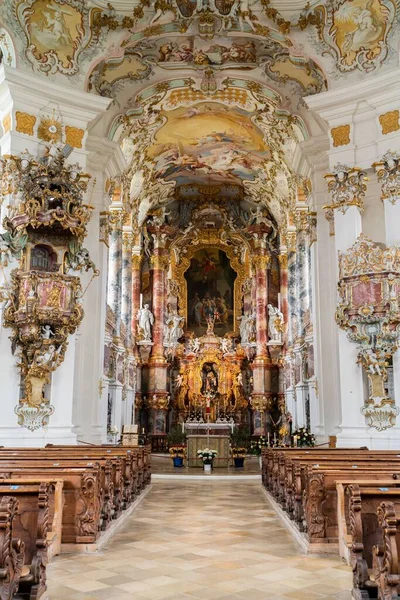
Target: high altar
(217, 284)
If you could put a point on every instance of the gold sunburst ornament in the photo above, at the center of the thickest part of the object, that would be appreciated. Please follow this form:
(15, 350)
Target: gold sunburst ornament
(49, 130)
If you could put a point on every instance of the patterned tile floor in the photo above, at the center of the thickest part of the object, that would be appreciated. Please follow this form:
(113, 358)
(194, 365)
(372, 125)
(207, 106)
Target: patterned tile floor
(200, 540)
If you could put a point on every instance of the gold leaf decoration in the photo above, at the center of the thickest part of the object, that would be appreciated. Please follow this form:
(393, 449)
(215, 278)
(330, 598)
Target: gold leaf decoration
(341, 135)
(389, 122)
(74, 136)
(7, 123)
(49, 130)
(24, 122)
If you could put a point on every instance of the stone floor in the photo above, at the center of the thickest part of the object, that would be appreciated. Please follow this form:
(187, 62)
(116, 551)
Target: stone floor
(200, 540)
(162, 464)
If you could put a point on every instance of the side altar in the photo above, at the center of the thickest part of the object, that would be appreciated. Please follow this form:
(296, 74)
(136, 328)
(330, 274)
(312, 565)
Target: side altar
(214, 436)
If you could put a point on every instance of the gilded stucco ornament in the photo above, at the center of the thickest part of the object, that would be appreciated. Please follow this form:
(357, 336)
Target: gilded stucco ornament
(388, 173)
(45, 227)
(340, 135)
(55, 31)
(368, 309)
(347, 187)
(389, 122)
(354, 32)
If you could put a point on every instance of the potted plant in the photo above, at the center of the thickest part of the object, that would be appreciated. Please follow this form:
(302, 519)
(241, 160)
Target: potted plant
(177, 446)
(303, 438)
(239, 444)
(256, 447)
(239, 454)
(207, 456)
(177, 453)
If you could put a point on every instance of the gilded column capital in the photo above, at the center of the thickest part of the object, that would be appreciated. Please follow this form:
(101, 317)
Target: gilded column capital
(262, 261)
(388, 173)
(159, 261)
(283, 260)
(347, 187)
(302, 220)
(127, 240)
(115, 220)
(136, 261)
(291, 238)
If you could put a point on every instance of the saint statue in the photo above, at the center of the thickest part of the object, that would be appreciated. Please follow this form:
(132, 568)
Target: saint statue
(146, 320)
(275, 323)
(209, 379)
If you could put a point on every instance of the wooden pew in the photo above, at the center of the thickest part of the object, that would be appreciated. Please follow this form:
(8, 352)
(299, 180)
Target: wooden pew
(56, 505)
(304, 483)
(12, 550)
(83, 497)
(30, 525)
(385, 563)
(365, 525)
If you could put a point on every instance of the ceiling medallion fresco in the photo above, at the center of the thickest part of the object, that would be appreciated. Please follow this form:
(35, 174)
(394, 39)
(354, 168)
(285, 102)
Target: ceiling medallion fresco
(357, 32)
(238, 53)
(56, 32)
(209, 143)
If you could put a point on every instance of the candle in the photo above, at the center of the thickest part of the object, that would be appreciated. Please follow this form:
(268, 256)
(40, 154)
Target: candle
(274, 439)
(295, 441)
(141, 300)
(279, 301)
(143, 430)
(268, 438)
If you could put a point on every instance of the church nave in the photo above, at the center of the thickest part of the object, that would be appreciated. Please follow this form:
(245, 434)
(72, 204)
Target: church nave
(204, 540)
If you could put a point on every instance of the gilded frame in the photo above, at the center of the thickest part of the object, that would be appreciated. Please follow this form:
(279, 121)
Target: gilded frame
(212, 239)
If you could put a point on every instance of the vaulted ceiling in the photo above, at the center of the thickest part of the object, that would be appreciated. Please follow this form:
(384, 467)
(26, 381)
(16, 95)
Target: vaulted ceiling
(204, 92)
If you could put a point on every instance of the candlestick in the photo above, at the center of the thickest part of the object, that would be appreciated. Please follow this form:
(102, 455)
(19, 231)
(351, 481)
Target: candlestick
(295, 441)
(268, 438)
(274, 439)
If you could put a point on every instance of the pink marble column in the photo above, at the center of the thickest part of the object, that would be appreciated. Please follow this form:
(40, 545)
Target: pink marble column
(159, 264)
(136, 263)
(261, 263)
(158, 400)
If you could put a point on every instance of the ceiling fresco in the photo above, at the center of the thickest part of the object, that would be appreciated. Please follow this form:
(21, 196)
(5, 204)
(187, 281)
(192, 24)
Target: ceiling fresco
(208, 143)
(204, 93)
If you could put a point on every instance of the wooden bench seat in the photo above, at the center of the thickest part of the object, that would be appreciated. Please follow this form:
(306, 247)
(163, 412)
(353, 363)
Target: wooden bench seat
(30, 525)
(371, 511)
(12, 549)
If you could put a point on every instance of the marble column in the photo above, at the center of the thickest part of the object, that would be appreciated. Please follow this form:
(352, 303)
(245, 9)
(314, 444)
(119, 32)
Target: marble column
(136, 286)
(158, 400)
(115, 267)
(262, 364)
(126, 285)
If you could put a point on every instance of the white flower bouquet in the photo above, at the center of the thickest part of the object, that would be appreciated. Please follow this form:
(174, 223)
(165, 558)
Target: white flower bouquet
(207, 455)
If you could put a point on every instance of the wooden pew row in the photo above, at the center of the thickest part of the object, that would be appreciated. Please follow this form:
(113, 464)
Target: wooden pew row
(372, 519)
(27, 524)
(305, 485)
(96, 488)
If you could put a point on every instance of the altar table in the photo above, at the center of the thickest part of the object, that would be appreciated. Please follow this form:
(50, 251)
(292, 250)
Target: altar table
(220, 443)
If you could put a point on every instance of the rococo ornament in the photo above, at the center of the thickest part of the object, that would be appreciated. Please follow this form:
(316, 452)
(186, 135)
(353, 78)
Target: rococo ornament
(368, 310)
(45, 227)
(346, 186)
(388, 173)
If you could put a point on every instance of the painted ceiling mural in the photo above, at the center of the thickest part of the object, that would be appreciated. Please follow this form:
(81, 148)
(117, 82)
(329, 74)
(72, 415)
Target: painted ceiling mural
(210, 144)
(205, 92)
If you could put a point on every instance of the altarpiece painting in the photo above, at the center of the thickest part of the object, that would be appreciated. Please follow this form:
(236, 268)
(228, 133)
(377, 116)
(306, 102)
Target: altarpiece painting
(210, 291)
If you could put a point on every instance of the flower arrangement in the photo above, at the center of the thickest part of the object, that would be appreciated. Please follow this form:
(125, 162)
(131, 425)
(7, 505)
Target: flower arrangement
(256, 446)
(178, 451)
(302, 437)
(239, 452)
(207, 455)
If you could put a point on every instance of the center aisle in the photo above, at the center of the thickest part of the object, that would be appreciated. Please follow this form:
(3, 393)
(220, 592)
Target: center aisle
(204, 540)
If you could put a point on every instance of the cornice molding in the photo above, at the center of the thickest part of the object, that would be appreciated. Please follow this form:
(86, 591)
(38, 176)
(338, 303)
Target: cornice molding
(35, 92)
(376, 91)
(105, 154)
